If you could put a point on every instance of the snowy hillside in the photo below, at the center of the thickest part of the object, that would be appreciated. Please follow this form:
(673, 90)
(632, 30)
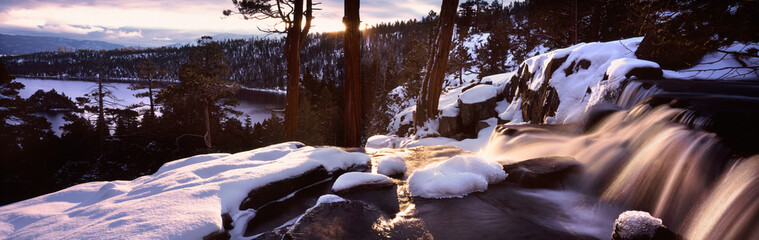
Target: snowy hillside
(561, 85)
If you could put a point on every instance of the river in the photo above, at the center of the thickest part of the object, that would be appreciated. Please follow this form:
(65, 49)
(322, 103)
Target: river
(253, 103)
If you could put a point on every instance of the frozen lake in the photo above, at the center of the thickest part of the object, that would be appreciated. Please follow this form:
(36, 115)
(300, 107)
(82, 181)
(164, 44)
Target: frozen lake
(253, 103)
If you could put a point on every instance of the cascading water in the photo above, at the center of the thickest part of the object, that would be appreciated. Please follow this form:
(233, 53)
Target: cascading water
(654, 158)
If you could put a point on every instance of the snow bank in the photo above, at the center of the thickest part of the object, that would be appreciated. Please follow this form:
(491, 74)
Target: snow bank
(636, 225)
(455, 177)
(390, 165)
(355, 179)
(479, 93)
(183, 200)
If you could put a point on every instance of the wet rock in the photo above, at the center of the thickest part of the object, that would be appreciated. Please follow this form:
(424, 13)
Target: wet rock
(339, 220)
(639, 225)
(276, 190)
(546, 172)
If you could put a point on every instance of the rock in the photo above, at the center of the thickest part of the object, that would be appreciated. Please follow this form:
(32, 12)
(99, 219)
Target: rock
(219, 235)
(546, 172)
(351, 180)
(639, 225)
(276, 190)
(449, 126)
(474, 112)
(339, 220)
(481, 125)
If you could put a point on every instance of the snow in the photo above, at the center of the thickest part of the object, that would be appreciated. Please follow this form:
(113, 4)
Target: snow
(355, 179)
(455, 177)
(721, 65)
(479, 93)
(632, 224)
(390, 165)
(183, 200)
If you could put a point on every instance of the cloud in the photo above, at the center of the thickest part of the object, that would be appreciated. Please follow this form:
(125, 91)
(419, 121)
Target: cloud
(154, 22)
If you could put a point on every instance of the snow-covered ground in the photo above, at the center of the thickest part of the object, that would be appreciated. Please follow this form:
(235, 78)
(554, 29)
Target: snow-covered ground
(184, 199)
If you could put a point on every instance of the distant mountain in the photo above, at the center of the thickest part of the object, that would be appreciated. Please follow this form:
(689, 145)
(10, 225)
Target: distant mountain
(20, 44)
(217, 37)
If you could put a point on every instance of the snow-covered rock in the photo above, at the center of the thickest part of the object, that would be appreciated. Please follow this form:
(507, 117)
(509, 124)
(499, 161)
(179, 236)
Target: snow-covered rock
(635, 225)
(355, 179)
(390, 165)
(479, 93)
(185, 199)
(455, 177)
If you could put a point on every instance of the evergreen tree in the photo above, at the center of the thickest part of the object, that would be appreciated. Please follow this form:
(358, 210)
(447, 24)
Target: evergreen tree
(204, 82)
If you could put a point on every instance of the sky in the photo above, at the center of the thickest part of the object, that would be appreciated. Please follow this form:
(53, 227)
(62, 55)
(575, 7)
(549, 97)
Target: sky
(152, 23)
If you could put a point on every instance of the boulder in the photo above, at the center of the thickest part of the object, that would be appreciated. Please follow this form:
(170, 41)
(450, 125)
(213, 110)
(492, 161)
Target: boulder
(471, 113)
(449, 126)
(639, 225)
(339, 220)
(546, 172)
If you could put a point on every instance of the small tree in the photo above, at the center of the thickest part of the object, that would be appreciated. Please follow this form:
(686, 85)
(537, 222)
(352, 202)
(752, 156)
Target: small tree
(204, 82)
(148, 71)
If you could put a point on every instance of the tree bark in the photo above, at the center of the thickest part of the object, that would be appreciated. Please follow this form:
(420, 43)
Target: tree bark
(207, 136)
(101, 126)
(352, 74)
(432, 86)
(292, 45)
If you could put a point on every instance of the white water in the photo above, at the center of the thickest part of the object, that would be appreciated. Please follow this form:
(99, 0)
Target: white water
(642, 159)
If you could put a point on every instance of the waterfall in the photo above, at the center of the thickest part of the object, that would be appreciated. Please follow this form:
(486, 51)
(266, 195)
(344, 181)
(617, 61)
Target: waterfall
(653, 158)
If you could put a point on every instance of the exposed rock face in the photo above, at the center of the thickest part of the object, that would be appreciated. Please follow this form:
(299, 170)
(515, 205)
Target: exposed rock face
(542, 102)
(547, 172)
(472, 113)
(450, 127)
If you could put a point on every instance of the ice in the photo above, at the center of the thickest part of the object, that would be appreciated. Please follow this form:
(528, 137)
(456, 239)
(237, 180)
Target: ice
(455, 177)
(355, 179)
(631, 224)
(183, 200)
(390, 165)
(479, 93)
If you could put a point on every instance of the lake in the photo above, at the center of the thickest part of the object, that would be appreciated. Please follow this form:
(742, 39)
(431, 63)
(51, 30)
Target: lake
(253, 103)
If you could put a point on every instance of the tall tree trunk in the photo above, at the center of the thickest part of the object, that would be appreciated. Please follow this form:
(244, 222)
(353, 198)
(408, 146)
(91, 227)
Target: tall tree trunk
(207, 136)
(574, 22)
(292, 44)
(352, 74)
(426, 107)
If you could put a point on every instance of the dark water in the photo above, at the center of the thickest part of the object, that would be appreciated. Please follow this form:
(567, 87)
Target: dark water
(253, 103)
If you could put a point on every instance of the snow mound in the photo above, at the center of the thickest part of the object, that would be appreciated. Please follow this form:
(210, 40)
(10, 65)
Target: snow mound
(636, 225)
(355, 179)
(455, 177)
(390, 165)
(183, 200)
(479, 93)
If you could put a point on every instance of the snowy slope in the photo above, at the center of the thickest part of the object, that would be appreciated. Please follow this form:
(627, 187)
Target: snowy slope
(184, 199)
(581, 76)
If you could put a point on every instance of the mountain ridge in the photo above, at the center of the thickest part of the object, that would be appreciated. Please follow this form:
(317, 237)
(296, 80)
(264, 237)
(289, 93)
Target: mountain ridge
(24, 44)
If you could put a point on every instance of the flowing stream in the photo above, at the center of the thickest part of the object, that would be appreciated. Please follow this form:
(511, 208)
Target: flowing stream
(679, 164)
